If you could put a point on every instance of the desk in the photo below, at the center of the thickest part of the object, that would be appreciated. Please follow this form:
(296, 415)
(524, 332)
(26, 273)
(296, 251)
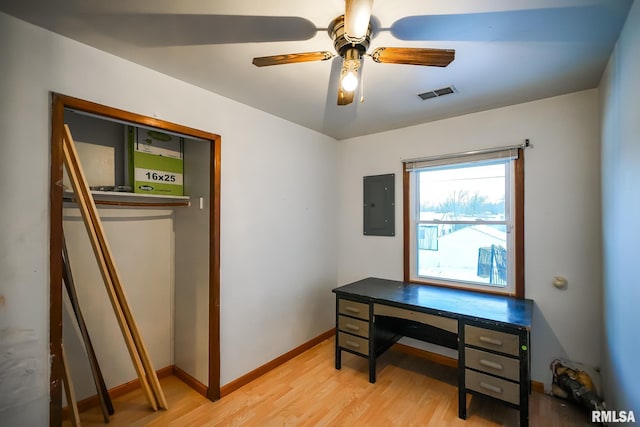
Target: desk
(490, 333)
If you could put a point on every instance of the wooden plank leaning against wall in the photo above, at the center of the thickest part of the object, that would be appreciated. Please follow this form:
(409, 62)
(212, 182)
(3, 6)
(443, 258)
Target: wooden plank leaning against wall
(59, 103)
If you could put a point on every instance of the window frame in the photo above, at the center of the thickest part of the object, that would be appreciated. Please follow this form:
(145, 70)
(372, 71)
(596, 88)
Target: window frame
(517, 216)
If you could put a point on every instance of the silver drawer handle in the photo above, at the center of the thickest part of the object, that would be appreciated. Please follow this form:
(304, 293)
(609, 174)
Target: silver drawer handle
(352, 327)
(491, 387)
(490, 340)
(490, 364)
(352, 309)
(352, 344)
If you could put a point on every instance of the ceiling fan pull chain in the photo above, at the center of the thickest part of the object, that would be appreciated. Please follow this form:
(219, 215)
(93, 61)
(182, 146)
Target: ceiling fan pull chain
(362, 81)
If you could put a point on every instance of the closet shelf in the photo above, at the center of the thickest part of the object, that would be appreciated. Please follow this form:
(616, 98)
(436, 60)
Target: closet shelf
(120, 198)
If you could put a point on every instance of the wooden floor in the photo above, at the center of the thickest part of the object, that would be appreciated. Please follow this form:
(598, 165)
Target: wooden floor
(308, 391)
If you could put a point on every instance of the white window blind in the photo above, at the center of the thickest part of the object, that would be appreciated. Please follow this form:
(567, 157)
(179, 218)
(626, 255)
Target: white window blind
(466, 158)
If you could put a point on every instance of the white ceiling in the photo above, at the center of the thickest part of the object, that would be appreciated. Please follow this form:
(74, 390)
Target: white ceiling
(507, 51)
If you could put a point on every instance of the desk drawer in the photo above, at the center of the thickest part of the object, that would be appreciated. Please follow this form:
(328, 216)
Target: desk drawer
(492, 363)
(493, 340)
(353, 326)
(354, 309)
(359, 345)
(445, 323)
(492, 386)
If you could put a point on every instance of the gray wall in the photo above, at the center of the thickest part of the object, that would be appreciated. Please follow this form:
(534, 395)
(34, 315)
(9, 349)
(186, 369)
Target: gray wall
(620, 94)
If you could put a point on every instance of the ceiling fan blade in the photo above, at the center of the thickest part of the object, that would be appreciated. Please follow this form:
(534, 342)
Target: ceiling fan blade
(344, 97)
(414, 56)
(292, 58)
(357, 14)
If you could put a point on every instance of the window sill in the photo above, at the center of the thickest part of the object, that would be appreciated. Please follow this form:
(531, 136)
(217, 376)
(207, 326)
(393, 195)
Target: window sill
(471, 288)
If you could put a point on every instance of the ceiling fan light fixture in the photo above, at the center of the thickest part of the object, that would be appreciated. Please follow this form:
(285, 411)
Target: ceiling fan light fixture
(349, 81)
(351, 34)
(357, 17)
(349, 72)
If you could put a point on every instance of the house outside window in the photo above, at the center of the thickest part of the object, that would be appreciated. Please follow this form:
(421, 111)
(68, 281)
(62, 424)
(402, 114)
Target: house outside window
(464, 219)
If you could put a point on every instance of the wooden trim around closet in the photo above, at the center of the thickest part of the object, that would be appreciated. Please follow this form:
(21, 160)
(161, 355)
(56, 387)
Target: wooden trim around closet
(55, 266)
(213, 392)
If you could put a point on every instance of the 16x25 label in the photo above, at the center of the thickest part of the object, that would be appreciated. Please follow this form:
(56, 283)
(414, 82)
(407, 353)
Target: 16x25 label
(148, 175)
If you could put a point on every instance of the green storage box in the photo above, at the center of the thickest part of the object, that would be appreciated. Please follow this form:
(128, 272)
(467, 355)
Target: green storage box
(155, 162)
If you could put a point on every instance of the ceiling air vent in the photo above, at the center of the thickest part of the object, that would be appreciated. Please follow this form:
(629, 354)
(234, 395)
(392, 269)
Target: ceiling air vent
(438, 92)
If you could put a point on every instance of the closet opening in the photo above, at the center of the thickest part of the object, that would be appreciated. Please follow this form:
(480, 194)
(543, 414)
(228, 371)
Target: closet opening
(167, 248)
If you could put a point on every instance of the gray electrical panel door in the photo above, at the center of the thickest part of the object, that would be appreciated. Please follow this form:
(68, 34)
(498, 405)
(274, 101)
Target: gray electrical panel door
(379, 205)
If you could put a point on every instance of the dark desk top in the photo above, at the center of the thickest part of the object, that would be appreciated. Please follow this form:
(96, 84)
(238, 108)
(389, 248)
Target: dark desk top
(449, 302)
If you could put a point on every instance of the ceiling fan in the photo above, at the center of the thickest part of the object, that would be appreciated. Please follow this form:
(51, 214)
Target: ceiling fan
(351, 35)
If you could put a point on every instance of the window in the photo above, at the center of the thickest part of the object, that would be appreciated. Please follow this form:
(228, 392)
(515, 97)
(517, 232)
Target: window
(463, 216)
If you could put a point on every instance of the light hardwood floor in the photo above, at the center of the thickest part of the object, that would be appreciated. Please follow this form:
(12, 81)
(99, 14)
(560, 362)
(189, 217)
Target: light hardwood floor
(308, 391)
